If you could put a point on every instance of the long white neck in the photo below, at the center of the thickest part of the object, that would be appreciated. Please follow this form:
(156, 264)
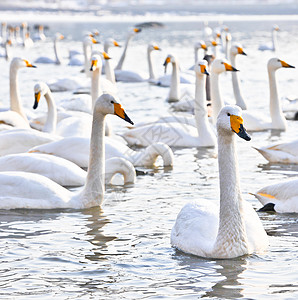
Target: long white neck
(25, 30)
(148, 157)
(121, 60)
(110, 74)
(274, 41)
(278, 120)
(227, 50)
(196, 54)
(50, 124)
(57, 52)
(217, 103)
(174, 94)
(206, 134)
(119, 165)
(96, 90)
(231, 240)
(236, 87)
(7, 51)
(3, 32)
(215, 51)
(15, 103)
(87, 49)
(93, 191)
(150, 65)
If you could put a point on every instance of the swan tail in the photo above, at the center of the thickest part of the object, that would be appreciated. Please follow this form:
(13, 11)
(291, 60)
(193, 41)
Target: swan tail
(276, 156)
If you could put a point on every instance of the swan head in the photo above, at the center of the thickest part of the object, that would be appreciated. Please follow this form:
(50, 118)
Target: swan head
(237, 49)
(96, 62)
(201, 45)
(275, 27)
(21, 63)
(40, 89)
(89, 40)
(228, 37)
(201, 67)
(170, 59)
(220, 65)
(108, 104)
(152, 47)
(111, 43)
(230, 121)
(59, 36)
(275, 64)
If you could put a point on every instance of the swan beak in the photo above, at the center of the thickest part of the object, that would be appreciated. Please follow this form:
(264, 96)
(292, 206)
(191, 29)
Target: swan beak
(165, 64)
(94, 41)
(156, 48)
(36, 101)
(116, 44)
(105, 56)
(204, 70)
(93, 65)
(204, 46)
(240, 51)
(119, 111)
(137, 30)
(285, 65)
(237, 127)
(61, 37)
(214, 43)
(230, 67)
(28, 64)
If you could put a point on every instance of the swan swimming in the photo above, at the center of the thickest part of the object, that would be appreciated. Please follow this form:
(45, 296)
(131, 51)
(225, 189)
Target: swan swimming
(233, 228)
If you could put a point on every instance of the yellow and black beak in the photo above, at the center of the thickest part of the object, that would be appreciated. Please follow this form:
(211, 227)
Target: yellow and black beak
(204, 69)
(116, 44)
(105, 56)
(240, 51)
(29, 65)
(94, 41)
(165, 64)
(93, 65)
(119, 111)
(156, 48)
(237, 127)
(204, 46)
(285, 65)
(230, 67)
(137, 30)
(37, 98)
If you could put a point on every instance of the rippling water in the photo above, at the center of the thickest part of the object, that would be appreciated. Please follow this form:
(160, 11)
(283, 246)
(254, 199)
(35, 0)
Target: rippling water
(122, 250)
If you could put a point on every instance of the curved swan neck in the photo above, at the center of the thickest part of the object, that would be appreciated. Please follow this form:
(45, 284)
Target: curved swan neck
(87, 49)
(278, 119)
(150, 65)
(121, 60)
(118, 165)
(15, 104)
(217, 103)
(93, 191)
(231, 235)
(174, 94)
(95, 85)
(236, 86)
(57, 52)
(50, 124)
(205, 133)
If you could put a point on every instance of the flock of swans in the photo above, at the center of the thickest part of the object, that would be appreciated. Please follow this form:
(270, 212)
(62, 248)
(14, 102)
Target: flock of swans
(73, 144)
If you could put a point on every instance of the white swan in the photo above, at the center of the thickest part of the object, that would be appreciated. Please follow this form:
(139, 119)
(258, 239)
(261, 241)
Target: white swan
(39, 36)
(273, 46)
(76, 149)
(21, 140)
(63, 171)
(283, 153)
(281, 197)
(16, 115)
(277, 121)
(32, 191)
(197, 47)
(179, 134)
(235, 50)
(233, 229)
(7, 52)
(58, 59)
(152, 76)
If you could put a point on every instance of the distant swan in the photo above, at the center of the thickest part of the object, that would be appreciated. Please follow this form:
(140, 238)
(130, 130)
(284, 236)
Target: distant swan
(273, 46)
(32, 191)
(233, 229)
(282, 153)
(281, 197)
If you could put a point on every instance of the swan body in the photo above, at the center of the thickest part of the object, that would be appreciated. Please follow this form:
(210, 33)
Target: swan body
(278, 120)
(76, 149)
(40, 36)
(58, 58)
(233, 229)
(282, 196)
(235, 50)
(283, 153)
(12, 117)
(32, 191)
(179, 134)
(273, 46)
(21, 140)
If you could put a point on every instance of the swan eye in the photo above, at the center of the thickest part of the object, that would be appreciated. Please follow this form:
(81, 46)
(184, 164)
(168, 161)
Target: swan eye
(228, 114)
(112, 102)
